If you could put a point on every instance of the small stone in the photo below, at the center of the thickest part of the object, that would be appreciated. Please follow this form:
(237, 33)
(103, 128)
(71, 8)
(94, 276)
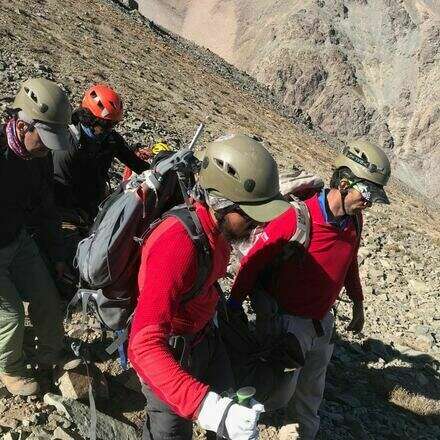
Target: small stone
(39, 433)
(369, 290)
(66, 424)
(424, 343)
(11, 436)
(54, 420)
(137, 125)
(62, 434)
(106, 426)
(9, 422)
(420, 329)
(289, 432)
(57, 402)
(3, 391)
(418, 286)
(74, 384)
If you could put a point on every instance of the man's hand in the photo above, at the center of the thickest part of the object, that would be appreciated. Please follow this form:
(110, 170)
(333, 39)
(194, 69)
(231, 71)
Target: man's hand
(357, 323)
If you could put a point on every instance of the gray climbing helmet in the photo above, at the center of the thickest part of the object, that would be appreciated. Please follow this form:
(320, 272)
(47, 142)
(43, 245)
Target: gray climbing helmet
(47, 106)
(369, 164)
(240, 169)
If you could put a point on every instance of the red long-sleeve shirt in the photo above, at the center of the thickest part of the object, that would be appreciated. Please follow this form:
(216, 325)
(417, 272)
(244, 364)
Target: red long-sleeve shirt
(168, 271)
(309, 287)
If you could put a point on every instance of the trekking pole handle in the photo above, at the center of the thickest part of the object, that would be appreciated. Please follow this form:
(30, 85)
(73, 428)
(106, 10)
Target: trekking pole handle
(244, 395)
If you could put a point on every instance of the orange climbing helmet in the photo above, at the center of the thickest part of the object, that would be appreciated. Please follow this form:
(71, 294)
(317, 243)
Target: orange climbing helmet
(103, 102)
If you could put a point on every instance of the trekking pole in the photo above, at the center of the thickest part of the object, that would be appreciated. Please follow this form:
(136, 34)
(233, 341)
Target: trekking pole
(181, 160)
(196, 136)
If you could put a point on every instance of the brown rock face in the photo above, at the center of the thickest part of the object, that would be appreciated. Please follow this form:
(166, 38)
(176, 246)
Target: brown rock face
(357, 67)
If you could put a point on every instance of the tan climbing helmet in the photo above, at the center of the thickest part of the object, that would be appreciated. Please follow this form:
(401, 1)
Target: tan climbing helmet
(43, 100)
(240, 169)
(46, 105)
(367, 162)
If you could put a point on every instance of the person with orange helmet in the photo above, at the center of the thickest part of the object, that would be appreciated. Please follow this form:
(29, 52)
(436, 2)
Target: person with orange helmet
(82, 172)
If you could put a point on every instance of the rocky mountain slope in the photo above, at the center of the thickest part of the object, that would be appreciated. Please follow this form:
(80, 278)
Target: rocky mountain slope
(168, 87)
(356, 67)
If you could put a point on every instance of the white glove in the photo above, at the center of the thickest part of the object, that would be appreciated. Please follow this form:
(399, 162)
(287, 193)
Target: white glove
(241, 422)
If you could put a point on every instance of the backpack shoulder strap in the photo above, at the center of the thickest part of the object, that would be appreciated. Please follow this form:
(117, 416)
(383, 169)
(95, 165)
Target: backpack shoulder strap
(302, 233)
(75, 132)
(295, 247)
(192, 225)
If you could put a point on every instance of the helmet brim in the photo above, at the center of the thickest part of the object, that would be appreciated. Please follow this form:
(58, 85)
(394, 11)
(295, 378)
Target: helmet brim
(54, 136)
(266, 211)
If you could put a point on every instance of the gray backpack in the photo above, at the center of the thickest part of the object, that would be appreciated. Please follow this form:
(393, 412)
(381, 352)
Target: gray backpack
(108, 259)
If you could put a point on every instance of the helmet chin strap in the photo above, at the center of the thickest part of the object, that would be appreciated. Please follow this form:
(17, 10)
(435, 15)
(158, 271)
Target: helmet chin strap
(343, 193)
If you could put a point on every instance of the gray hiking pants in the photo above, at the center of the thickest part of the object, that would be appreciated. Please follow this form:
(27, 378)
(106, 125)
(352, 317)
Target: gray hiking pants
(207, 362)
(24, 277)
(302, 392)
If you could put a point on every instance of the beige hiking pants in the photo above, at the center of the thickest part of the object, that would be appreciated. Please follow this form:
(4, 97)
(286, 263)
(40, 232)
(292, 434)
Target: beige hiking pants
(24, 277)
(303, 389)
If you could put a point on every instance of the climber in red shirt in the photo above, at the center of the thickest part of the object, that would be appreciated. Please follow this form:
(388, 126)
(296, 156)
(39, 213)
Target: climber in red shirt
(174, 345)
(306, 287)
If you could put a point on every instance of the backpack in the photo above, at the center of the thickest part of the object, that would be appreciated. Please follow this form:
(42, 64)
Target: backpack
(299, 185)
(108, 259)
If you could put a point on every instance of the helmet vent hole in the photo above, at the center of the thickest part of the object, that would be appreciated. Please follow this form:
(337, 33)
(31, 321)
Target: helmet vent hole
(219, 163)
(231, 171)
(32, 95)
